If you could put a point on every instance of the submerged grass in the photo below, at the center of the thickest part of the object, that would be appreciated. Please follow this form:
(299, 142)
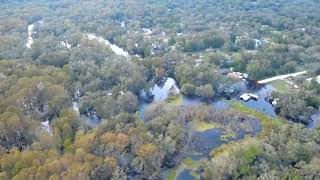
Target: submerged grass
(190, 163)
(228, 136)
(267, 122)
(201, 126)
(176, 100)
(187, 163)
(172, 174)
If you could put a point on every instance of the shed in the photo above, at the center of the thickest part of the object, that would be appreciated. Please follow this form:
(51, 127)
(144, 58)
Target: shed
(245, 97)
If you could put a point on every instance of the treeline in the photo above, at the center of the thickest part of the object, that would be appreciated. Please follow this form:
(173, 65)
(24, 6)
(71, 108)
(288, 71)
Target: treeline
(289, 152)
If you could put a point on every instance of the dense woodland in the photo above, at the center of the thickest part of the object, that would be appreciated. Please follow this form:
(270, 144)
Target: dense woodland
(193, 41)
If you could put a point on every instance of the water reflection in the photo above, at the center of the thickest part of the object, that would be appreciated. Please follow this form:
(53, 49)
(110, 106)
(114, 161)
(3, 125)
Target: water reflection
(162, 90)
(315, 121)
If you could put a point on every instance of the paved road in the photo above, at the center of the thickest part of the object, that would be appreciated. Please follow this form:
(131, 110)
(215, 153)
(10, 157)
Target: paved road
(281, 77)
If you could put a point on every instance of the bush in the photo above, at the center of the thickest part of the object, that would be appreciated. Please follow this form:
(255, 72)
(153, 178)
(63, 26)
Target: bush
(205, 91)
(188, 89)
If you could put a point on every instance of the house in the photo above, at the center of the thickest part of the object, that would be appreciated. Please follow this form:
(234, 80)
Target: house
(233, 75)
(275, 102)
(253, 96)
(238, 75)
(260, 42)
(247, 97)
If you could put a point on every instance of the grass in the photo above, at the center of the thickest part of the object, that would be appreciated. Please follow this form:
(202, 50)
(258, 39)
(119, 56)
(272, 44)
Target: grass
(281, 86)
(228, 136)
(229, 147)
(172, 174)
(187, 163)
(190, 163)
(267, 122)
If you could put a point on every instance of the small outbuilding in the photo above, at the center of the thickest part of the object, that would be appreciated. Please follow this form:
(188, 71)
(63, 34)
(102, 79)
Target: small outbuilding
(247, 97)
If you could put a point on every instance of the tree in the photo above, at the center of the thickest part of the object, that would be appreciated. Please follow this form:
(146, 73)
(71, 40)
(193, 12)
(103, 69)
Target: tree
(259, 69)
(147, 51)
(15, 129)
(193, 45)
(188, 89)
(128, 102)
(214, 41)
(205, 91)
(101, 172)
(249, 44)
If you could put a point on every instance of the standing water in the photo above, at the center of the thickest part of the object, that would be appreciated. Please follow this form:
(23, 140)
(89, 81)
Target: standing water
(30, 39)
(162, 91)
(116, 49)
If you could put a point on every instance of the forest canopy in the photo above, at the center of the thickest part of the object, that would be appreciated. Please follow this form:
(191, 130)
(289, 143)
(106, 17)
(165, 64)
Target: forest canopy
(156, 89)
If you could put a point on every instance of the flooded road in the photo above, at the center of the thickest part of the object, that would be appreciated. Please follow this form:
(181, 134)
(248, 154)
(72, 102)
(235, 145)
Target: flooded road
(116, 49)
(30, 39)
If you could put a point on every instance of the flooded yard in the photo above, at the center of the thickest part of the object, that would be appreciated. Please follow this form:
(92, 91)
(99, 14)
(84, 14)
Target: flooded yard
(161, 92)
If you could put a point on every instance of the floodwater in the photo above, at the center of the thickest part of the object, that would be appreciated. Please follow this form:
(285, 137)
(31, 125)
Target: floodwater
(161, 93)
(75, 106)
(30, 39)
(45, 126)
(185, 175)
(202, 143)
(116, 49)
(90, 118)
(261, 104)
(315, 120)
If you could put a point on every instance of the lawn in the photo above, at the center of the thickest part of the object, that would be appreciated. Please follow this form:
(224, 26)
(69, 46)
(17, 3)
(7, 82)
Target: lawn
(281, 86)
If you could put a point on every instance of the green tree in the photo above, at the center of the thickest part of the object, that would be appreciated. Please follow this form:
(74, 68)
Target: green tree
(205, 91)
